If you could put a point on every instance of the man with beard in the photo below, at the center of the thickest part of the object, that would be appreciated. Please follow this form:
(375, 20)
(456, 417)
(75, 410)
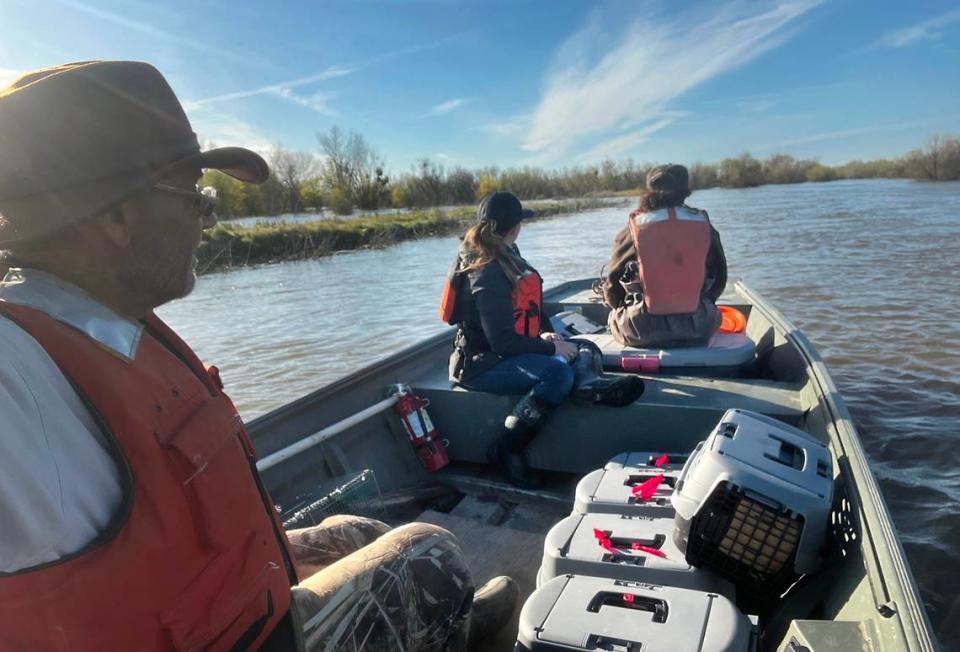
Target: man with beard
(133, 517)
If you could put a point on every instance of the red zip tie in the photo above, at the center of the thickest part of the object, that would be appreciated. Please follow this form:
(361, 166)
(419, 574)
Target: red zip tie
(662, 460)
(656, 552)
(646, 489)
(603, 539)
(628, 598)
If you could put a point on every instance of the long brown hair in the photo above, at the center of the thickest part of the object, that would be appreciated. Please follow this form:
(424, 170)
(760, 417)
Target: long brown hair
(652, 200)
(483, 245)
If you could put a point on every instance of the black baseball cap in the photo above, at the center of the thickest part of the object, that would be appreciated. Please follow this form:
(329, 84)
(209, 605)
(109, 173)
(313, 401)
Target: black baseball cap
(503, 209)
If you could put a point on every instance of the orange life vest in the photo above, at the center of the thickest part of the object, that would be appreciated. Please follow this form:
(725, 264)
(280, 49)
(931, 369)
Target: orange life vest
(451, 289)
(527, 300)
(527, 304)
(196, 558)
(672, 246)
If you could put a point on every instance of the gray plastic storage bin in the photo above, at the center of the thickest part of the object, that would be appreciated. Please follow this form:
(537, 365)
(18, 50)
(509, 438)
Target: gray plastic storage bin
(610, 491)
(753, 501)
(572, 547)
(586, 613)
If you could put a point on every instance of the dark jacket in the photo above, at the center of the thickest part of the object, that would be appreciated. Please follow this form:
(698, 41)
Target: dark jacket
(632, 325)
(485, 333)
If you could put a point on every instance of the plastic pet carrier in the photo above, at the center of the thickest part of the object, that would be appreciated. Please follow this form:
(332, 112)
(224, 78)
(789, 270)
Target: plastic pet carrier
(586, 613)
(753, 502)
(638, 548)
(627, 490)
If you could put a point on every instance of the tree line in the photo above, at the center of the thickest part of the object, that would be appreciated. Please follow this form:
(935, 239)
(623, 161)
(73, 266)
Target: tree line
(347, 172)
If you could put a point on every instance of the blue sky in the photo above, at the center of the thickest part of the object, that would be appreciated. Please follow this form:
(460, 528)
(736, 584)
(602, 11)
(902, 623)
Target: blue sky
(550, 83)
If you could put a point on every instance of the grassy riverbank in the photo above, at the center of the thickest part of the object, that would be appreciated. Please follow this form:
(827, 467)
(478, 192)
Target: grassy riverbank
(228, 246)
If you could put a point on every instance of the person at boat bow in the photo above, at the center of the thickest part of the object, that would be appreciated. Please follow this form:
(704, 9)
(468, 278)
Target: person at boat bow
(133, 516)
(503, 344)
(667, 268)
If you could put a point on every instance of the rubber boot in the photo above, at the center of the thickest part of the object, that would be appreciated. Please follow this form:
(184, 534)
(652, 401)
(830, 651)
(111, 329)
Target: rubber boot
(493, 607)
(593, 386)
(519, 428)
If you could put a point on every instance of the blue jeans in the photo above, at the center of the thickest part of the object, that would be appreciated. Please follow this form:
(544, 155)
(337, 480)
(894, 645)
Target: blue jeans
(550, 379)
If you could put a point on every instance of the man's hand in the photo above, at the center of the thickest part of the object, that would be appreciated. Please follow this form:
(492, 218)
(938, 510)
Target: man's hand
(551, 337)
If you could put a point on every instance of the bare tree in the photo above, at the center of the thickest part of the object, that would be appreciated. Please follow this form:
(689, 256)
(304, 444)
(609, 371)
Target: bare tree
(337, 169)
(291, 169)
(932, 155)
(461, 186)
(427, 183)
(352, 164)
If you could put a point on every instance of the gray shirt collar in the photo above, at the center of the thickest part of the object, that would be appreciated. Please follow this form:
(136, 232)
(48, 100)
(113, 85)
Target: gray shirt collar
(69, 304)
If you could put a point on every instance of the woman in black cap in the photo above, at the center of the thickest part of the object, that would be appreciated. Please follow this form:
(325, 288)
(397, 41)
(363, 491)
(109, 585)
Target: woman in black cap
(667, 269)
(503, 345)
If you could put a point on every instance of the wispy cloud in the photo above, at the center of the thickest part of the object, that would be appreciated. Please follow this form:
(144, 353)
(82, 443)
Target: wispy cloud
(601, 84)
(928, 30)
(841, 134)
(513, 126)
(156, 32)
(617, 146)
(217, 128)
(319, 102)
(450, 105)
(442, 156)
(280, 89)
(277, 89)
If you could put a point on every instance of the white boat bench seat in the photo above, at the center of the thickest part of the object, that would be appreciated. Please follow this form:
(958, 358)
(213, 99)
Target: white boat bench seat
(725, 354)
(469, 420)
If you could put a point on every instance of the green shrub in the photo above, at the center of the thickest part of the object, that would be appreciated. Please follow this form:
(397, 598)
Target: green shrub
(339, 200)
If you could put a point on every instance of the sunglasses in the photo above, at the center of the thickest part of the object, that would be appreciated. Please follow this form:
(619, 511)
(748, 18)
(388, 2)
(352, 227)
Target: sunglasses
(204, 204)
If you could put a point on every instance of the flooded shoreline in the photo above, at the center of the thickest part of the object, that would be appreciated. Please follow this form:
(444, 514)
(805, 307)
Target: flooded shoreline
(230, 245)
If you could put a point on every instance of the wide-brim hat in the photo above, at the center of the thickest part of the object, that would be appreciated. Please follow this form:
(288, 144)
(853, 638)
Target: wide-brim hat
(77, 139)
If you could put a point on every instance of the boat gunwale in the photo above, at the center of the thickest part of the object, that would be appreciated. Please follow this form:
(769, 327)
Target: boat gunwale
(872, 505)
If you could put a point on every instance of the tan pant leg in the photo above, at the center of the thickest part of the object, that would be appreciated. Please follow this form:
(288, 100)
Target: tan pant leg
(409, 591)
(315, 548)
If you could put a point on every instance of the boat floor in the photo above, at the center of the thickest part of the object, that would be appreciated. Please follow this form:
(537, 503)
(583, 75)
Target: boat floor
(501, 530)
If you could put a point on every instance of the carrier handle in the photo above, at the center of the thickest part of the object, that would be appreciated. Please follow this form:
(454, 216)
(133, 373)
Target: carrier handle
(598, 642)
(638, 478)
(667, 459)
(626, 542)
(616, 545)
(630, 601)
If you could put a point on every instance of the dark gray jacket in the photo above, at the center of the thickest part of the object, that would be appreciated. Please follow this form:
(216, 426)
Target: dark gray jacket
(485, 333)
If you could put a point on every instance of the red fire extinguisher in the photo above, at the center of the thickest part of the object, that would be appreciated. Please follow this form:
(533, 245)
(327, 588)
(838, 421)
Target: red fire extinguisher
(419, 428)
